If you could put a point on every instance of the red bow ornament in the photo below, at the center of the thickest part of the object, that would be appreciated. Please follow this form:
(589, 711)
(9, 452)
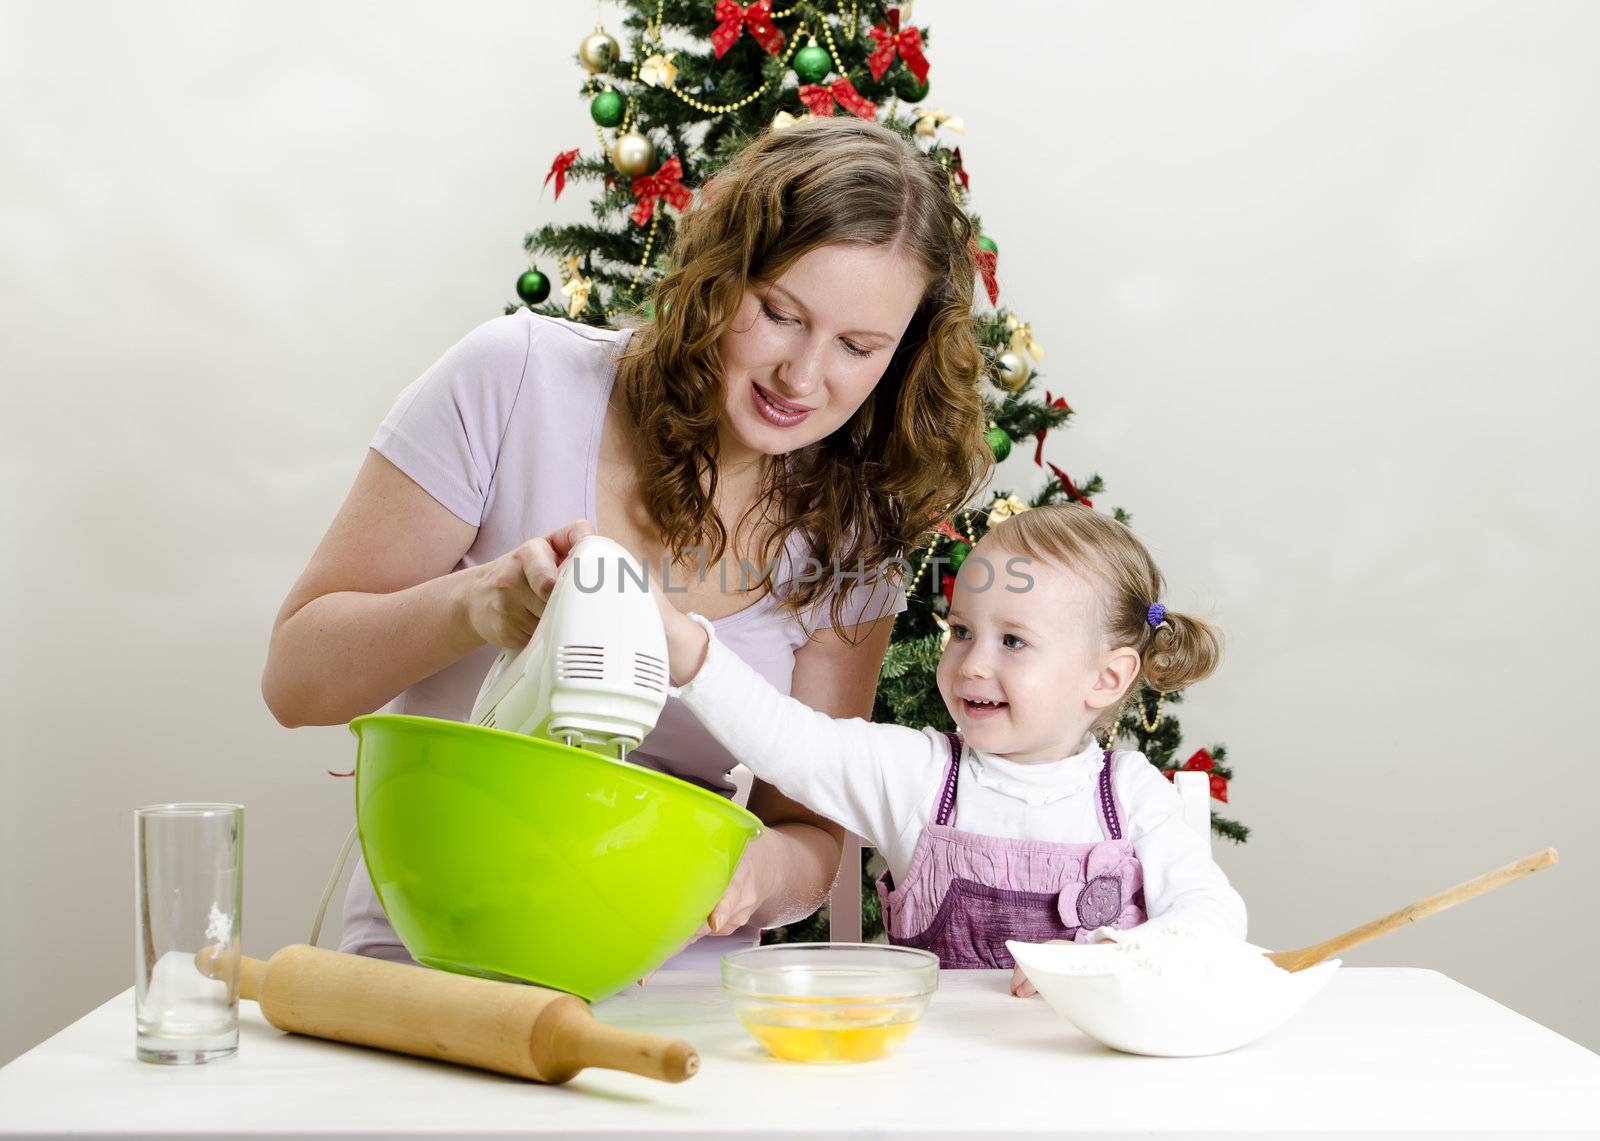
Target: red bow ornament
(892, 39)
(662, 184)
(558, 170)
(819, 99)
(1069, 487)
(1202, 762)
(986, 262)
(1049, 402)
(961, 169)
(732, 19)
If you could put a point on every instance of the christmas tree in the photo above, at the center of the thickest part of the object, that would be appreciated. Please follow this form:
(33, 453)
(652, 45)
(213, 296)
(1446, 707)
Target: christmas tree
(696, 81)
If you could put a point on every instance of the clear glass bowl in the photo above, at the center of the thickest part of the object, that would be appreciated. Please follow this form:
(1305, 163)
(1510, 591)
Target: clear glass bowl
(830, 1002)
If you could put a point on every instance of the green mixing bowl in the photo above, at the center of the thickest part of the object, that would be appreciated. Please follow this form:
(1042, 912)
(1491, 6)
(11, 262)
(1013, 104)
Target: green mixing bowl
(513, 857)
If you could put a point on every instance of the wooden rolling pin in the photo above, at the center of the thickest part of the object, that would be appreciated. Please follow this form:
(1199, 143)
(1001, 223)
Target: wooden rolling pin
(530, 1031)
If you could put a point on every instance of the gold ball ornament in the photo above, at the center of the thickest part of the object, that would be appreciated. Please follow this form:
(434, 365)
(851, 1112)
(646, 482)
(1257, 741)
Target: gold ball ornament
(1013, 369)
(633, 154)
(598, 51)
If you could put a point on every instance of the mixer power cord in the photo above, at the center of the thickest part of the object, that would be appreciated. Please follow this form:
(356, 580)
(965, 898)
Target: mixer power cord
(333, 882)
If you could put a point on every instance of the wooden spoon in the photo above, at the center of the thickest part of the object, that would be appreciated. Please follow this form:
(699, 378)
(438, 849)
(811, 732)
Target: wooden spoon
(1306, 956)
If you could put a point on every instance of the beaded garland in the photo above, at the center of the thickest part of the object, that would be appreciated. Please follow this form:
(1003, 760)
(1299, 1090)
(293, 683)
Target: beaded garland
(652, 36)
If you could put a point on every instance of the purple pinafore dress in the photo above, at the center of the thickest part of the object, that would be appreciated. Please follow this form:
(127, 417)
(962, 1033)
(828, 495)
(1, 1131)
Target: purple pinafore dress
(965, 894)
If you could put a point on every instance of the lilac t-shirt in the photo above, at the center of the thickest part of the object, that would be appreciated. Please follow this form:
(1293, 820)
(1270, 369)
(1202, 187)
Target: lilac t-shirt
(504, 431)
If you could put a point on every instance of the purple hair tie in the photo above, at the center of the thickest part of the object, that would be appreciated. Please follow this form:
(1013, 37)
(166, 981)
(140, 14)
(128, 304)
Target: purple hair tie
(1156, 615)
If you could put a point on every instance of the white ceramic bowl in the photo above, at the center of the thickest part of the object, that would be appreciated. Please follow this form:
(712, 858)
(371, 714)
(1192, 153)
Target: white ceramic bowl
(1168, 1016)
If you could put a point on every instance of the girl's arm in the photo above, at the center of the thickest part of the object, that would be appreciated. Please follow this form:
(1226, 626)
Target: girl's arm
(1182, 883)
(794, 863)
(873, 779)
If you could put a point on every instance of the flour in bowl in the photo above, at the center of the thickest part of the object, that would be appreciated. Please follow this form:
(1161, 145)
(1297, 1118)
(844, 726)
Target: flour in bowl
(1174, 950)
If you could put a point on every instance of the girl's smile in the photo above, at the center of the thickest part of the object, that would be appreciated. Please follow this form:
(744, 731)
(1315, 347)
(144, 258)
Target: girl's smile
(1023, 663)
(983, 710)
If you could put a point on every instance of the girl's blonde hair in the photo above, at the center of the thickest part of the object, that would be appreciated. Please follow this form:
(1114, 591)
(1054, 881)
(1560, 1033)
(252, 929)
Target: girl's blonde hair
(1178, 652)
(914, 451)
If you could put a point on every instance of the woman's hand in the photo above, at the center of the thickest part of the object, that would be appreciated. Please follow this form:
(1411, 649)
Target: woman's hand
(754, 882)
(501, 601)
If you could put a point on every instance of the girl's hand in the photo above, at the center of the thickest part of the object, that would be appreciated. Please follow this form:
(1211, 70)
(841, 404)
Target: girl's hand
(501, 601)
(686, 641)
(1020, 986)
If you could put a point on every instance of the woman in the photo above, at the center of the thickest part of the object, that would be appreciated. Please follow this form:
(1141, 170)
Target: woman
(807, 388)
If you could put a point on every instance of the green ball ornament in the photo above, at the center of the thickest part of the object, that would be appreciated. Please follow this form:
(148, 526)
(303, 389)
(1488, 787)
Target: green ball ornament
(987, 245)
(607, 108)
(999, 441)
(910, 88)
(533, 287)
(958, 555)
(812, 63)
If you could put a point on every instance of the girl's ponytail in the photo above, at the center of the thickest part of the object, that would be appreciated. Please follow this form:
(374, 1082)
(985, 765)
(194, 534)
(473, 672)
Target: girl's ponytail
(1181, 651)
(1175, 650)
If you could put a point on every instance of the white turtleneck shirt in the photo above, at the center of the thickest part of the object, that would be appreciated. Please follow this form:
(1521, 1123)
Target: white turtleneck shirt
(882, 783)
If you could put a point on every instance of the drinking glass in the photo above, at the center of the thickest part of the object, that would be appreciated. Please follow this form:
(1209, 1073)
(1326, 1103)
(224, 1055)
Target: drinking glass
(187, 886)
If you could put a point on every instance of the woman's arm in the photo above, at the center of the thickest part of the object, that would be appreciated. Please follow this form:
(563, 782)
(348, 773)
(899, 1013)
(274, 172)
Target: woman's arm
(375, 609)
(787, 871)
(380, 606)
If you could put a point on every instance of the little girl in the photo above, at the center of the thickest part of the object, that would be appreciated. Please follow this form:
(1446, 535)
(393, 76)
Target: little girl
(1019, 826)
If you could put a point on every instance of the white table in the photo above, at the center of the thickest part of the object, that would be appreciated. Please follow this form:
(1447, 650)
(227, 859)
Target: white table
(1379, 1053)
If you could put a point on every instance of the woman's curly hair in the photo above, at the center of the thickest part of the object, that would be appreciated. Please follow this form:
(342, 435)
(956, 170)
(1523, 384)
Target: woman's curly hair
(914, 452)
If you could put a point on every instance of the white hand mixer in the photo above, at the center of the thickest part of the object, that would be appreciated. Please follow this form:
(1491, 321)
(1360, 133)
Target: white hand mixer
(594, 674)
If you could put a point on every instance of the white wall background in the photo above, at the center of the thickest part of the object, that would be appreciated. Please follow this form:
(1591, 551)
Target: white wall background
(1319, 278)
